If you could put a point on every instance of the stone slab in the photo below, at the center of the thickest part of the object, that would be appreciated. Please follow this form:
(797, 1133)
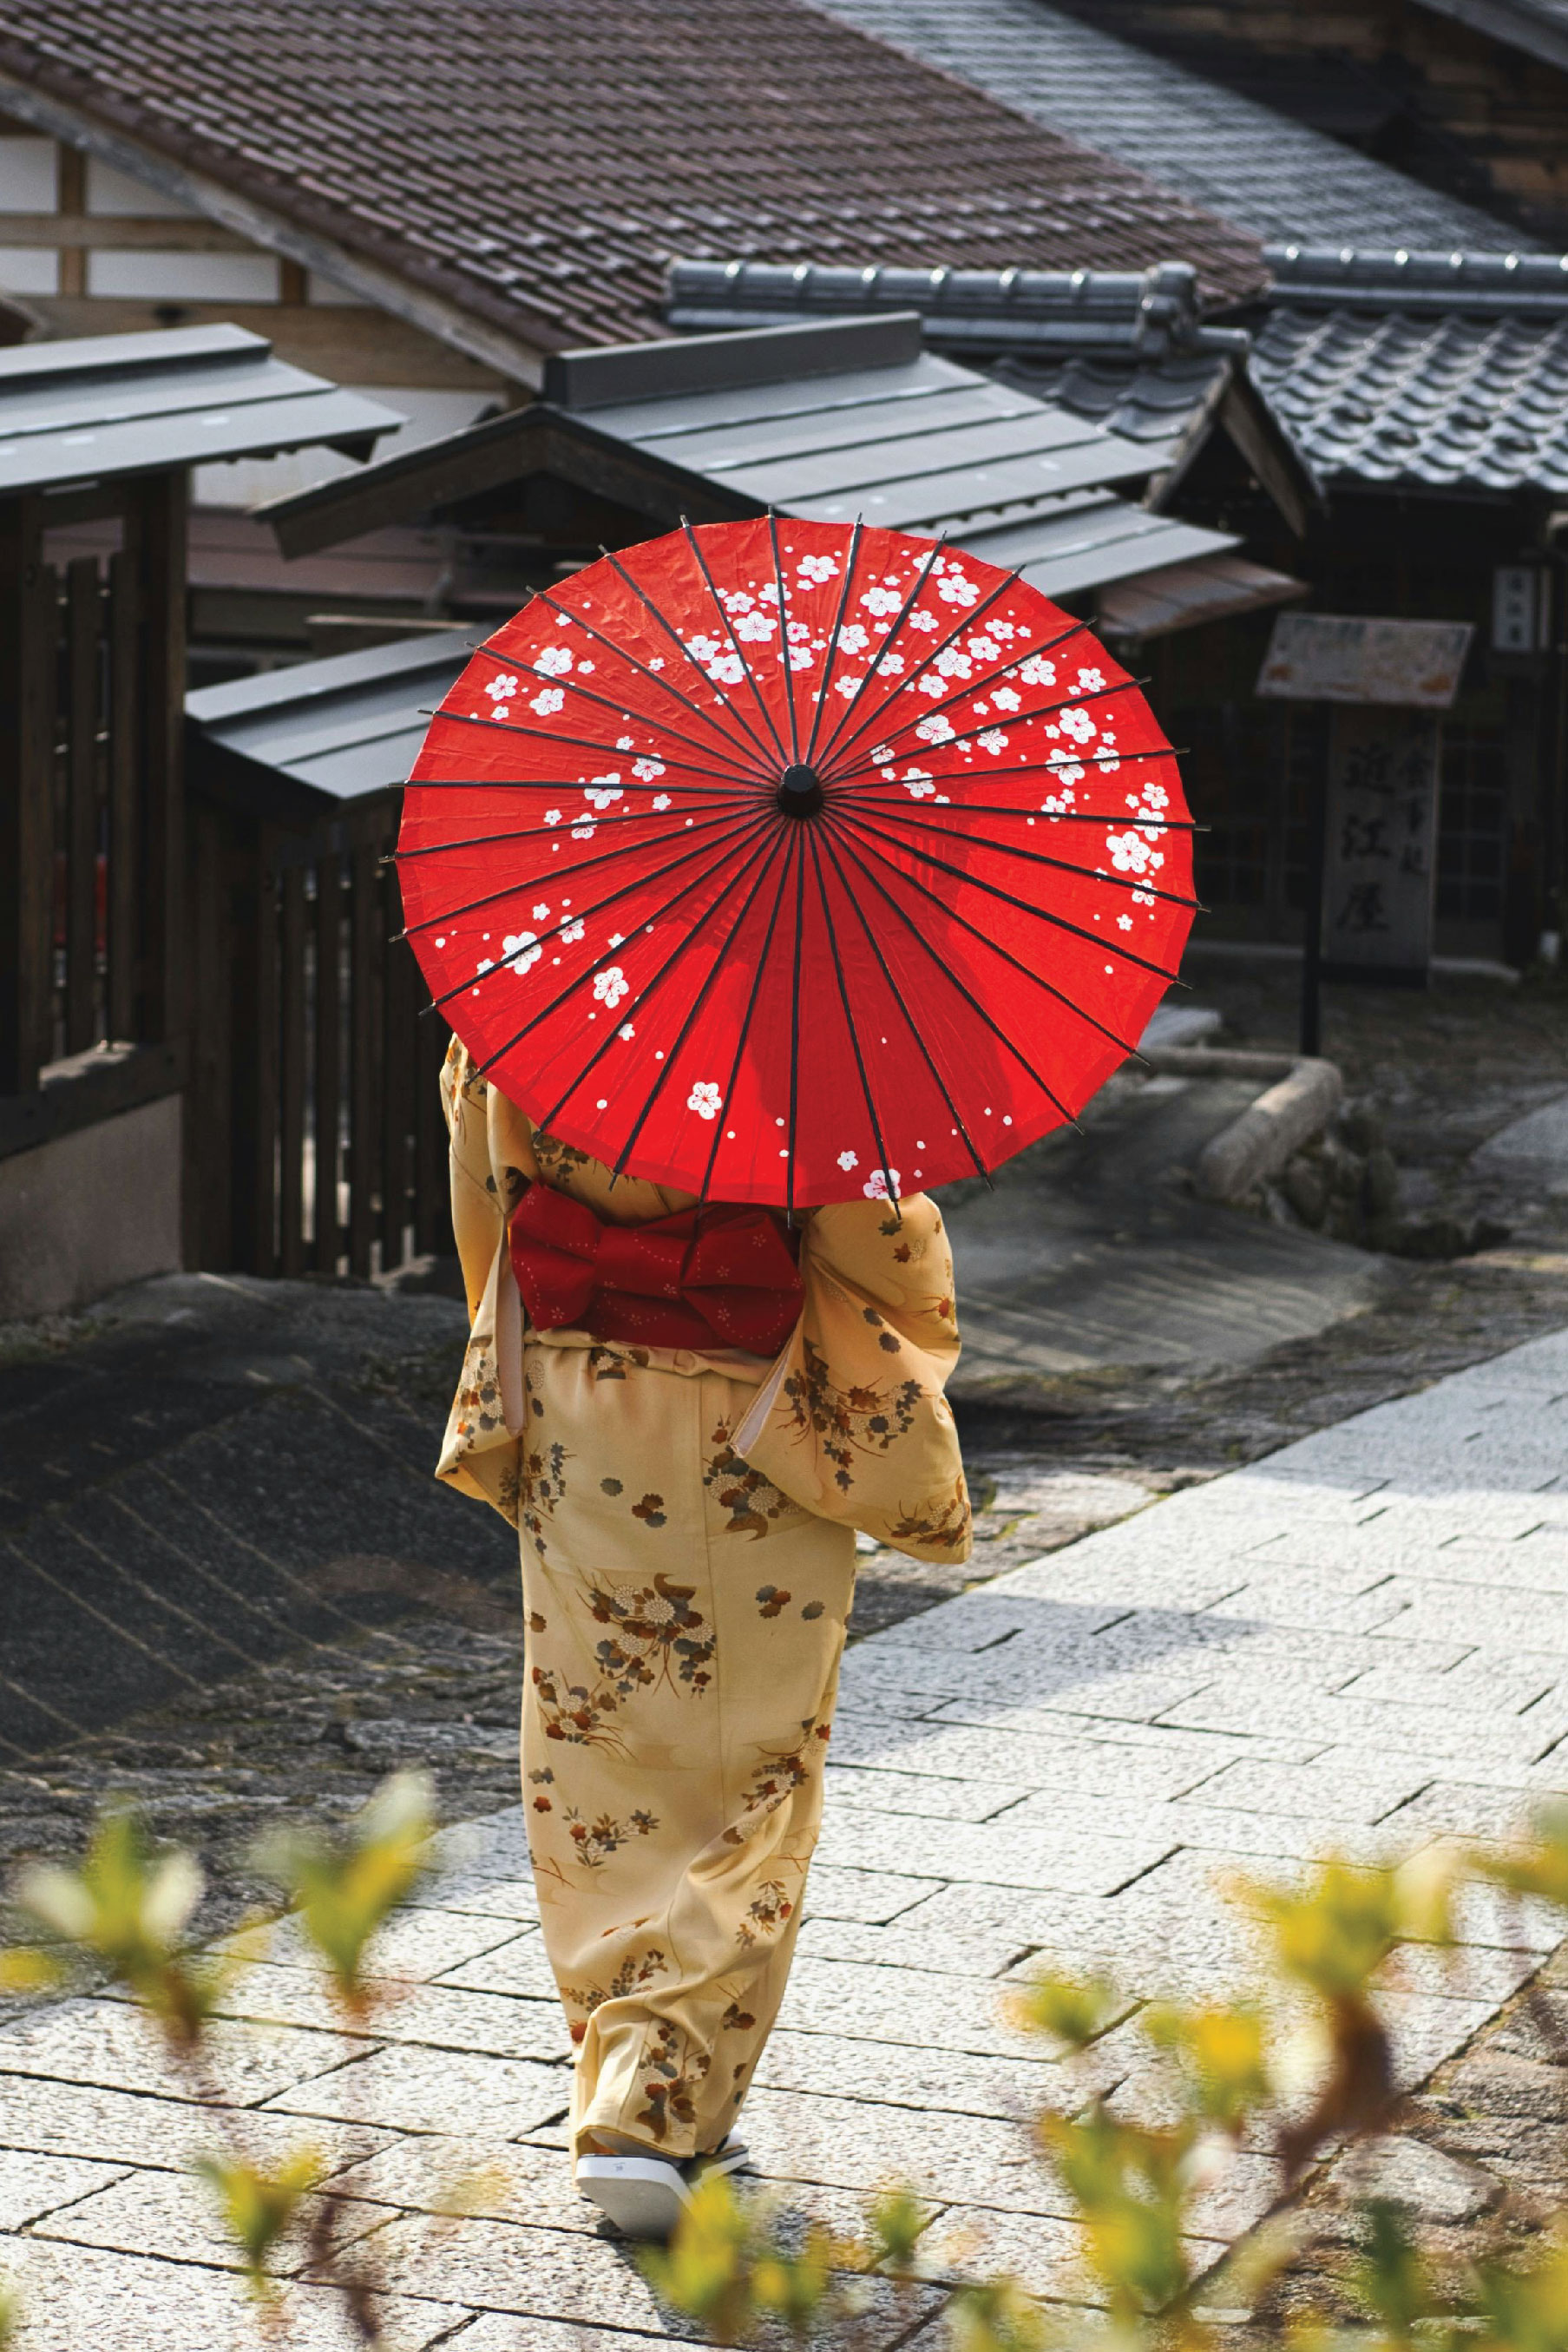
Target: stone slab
(930, 2080)
(440, 2016)
(411, 2089)
(118, 2128)
(74, 2296)
(32, 2186)
(108, 2043)
(162, 2213)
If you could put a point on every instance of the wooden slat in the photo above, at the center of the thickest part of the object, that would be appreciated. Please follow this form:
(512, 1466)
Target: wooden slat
(27, 637)
(366, 1035)
(264, 1028)
(433, 1196)
(213, 1116)
(292, 1071)
(402, 1061)
(328, 1055)
(124, 846)
(81, 802)
(163, 503)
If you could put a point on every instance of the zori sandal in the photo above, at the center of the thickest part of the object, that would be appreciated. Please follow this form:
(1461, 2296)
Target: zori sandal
(645, 2196)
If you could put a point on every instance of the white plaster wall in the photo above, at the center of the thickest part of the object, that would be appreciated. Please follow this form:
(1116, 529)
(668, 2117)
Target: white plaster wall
(90, 1210)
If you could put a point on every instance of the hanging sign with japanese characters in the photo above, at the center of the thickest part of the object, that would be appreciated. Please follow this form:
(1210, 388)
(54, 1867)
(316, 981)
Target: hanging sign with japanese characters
(1344, 657)
(1379, 856)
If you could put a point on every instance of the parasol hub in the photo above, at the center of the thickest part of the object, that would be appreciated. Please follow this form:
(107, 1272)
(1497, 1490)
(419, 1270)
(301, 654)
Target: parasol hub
(799, 791)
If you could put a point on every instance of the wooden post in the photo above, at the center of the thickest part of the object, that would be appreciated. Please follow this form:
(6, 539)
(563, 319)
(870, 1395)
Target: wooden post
(210, 1159)
(328, 1055)
(82, 609)
(291, 1074)
(401, 1049)
(264, 1037)
(161, 500)
(28, 641)
(124, 763)
(432, 1205)
(367, 1033)
(1313, 936)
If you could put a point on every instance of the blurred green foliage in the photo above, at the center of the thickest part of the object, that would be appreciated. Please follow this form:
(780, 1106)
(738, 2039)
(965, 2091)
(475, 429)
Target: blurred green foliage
(1304, 2066)
(123, 1916)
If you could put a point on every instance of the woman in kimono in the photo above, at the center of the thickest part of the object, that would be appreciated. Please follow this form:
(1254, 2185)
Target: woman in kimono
(687, 1518)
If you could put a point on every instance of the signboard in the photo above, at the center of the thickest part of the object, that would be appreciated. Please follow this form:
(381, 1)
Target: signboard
(1380, 852)
(1328, 657)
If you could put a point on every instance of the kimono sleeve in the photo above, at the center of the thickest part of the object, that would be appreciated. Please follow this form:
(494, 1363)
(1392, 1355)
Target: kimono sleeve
(852, 1422)
(491, 1152)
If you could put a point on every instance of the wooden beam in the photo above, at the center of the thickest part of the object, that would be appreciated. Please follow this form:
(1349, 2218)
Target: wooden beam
(72, 231)
(83, 607)
(534, 440)
(87, 1088)
(515, 350)
(159, 508)
(124, 770)
(72, 187)
(29, 627)
(328, 1055)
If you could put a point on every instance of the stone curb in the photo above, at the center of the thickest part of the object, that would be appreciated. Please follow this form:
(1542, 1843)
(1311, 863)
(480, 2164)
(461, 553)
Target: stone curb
(1270, 1132)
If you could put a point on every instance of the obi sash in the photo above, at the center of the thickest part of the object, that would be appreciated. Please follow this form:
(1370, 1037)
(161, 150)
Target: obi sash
(706, 1278)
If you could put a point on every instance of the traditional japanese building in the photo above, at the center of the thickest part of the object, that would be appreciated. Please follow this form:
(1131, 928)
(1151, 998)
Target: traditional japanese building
(1425, 398)
(387, 210)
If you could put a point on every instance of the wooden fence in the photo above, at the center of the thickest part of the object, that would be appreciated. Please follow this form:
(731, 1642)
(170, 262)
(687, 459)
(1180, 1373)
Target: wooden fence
(91, 663)
(316, 1139)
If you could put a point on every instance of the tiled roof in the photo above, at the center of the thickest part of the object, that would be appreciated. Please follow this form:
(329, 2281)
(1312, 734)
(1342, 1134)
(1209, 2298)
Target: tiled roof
(536, 163)
(1540, 27)
(1388, 369)
(1243, 160)
(1128, 350)
(1123, 313)
(831, 420)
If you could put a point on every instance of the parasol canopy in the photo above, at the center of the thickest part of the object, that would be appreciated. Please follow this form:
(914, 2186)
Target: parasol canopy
(792, 862)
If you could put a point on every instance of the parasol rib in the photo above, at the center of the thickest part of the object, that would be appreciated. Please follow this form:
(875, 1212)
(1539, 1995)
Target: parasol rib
(729, 626)
(830, 655)
(785, 674)
(688, 656)
(751, 1003)
(588, 914)
(667, 1066)
(883, 1160)
(572, 985)
(996, 947)
(687, 940)
(1014, 661)
(910, 1022)
(739, 794)
(1039, 914)
(655, 676)
(795, 1026)
(934, 652)
(876, 663)
(1013, 718)
(1117, 881)
(583, 865)
(581, 743)
(953, 980)
(614, 702)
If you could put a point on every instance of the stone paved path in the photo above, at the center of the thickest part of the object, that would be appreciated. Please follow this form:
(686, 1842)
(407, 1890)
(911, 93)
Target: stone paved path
(1361, 1642)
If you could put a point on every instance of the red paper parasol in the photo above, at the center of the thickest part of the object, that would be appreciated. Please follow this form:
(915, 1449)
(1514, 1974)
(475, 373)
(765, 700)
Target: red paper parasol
(784, 862)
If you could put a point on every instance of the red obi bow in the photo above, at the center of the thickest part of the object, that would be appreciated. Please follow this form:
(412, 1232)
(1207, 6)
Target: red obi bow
(703, 1277)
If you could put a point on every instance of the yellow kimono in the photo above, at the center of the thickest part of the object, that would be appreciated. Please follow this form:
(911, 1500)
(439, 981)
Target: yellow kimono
(688, 1523)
